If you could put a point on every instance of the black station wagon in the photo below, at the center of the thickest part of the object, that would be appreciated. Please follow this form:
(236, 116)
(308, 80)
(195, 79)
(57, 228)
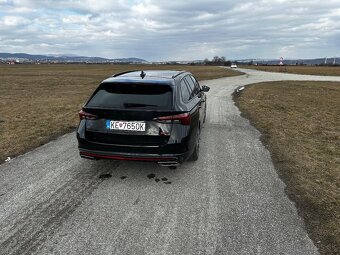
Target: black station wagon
(145, 116)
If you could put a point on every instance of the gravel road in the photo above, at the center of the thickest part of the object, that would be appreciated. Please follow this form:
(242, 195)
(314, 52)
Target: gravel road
(231, 201)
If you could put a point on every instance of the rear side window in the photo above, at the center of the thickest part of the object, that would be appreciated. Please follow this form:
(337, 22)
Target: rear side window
(193, 89)
(197, 86)
(184, 91)
(131, 95)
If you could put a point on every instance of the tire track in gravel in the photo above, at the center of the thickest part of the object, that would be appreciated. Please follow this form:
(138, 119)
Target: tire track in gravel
(34, 226)
(38, 198)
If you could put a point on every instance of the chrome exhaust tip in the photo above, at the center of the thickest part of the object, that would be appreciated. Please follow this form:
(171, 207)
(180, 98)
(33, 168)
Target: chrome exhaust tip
(169, 163)
(87, 157)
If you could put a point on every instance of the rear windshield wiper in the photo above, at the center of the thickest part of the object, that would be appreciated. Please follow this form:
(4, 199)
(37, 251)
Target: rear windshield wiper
(129, 105)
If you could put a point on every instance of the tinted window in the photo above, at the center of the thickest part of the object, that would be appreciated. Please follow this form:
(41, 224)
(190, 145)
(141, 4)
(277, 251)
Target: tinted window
(193, 89)
(190, 83)
(197, 86)
(184, 91)
(115, 95)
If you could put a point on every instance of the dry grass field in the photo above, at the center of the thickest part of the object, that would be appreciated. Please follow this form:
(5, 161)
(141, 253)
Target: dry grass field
(40, 102)
(313, 70)
(300, 123)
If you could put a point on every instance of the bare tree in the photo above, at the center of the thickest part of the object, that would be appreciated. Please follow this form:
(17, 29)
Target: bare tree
(216, 59)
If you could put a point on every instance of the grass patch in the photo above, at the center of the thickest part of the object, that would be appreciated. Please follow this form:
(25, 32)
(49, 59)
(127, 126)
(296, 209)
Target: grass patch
(300, 124)
(39, 102)
(311, 70)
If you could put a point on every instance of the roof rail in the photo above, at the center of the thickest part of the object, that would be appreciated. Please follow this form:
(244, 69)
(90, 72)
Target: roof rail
(117, 74)
(179, 73)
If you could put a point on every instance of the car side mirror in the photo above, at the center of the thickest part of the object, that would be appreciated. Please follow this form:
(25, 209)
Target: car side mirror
(205, 88)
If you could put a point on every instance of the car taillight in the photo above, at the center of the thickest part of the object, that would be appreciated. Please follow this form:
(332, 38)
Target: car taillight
(86, 116)
(183, 118)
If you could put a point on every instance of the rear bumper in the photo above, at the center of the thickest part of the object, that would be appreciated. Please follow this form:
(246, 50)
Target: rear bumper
(167, 153)
(94, 154)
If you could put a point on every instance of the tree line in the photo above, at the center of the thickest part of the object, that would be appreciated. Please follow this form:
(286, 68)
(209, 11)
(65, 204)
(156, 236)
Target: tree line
(217, 61)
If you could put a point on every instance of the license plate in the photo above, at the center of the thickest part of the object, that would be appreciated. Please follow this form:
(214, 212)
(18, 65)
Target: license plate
(125, 125)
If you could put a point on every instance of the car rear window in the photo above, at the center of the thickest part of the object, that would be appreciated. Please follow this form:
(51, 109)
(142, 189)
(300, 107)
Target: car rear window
(132, 95)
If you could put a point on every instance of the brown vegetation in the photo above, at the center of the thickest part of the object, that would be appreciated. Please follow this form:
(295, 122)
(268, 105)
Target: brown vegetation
(313, 70)
(300, 124)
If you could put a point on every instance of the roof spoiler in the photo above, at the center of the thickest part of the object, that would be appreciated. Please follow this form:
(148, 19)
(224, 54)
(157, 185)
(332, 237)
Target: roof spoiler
(179, 73)
(121, 73)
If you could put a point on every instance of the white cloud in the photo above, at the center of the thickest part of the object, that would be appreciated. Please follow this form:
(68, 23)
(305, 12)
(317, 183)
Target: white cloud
(75, 19)
(145, 9)
(162, 29)
(12, 21)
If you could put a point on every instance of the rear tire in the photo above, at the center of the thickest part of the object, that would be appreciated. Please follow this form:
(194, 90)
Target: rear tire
(195, 154)
(205, 113)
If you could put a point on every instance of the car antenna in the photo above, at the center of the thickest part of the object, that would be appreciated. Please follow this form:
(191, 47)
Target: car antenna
(142, 74)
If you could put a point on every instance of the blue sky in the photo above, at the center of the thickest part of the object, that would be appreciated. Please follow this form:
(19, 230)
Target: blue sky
(172, 30)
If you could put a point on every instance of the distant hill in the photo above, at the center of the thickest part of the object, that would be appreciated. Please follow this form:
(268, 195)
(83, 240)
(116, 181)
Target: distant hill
(71, 58)
(315, 61)
(23, 57)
